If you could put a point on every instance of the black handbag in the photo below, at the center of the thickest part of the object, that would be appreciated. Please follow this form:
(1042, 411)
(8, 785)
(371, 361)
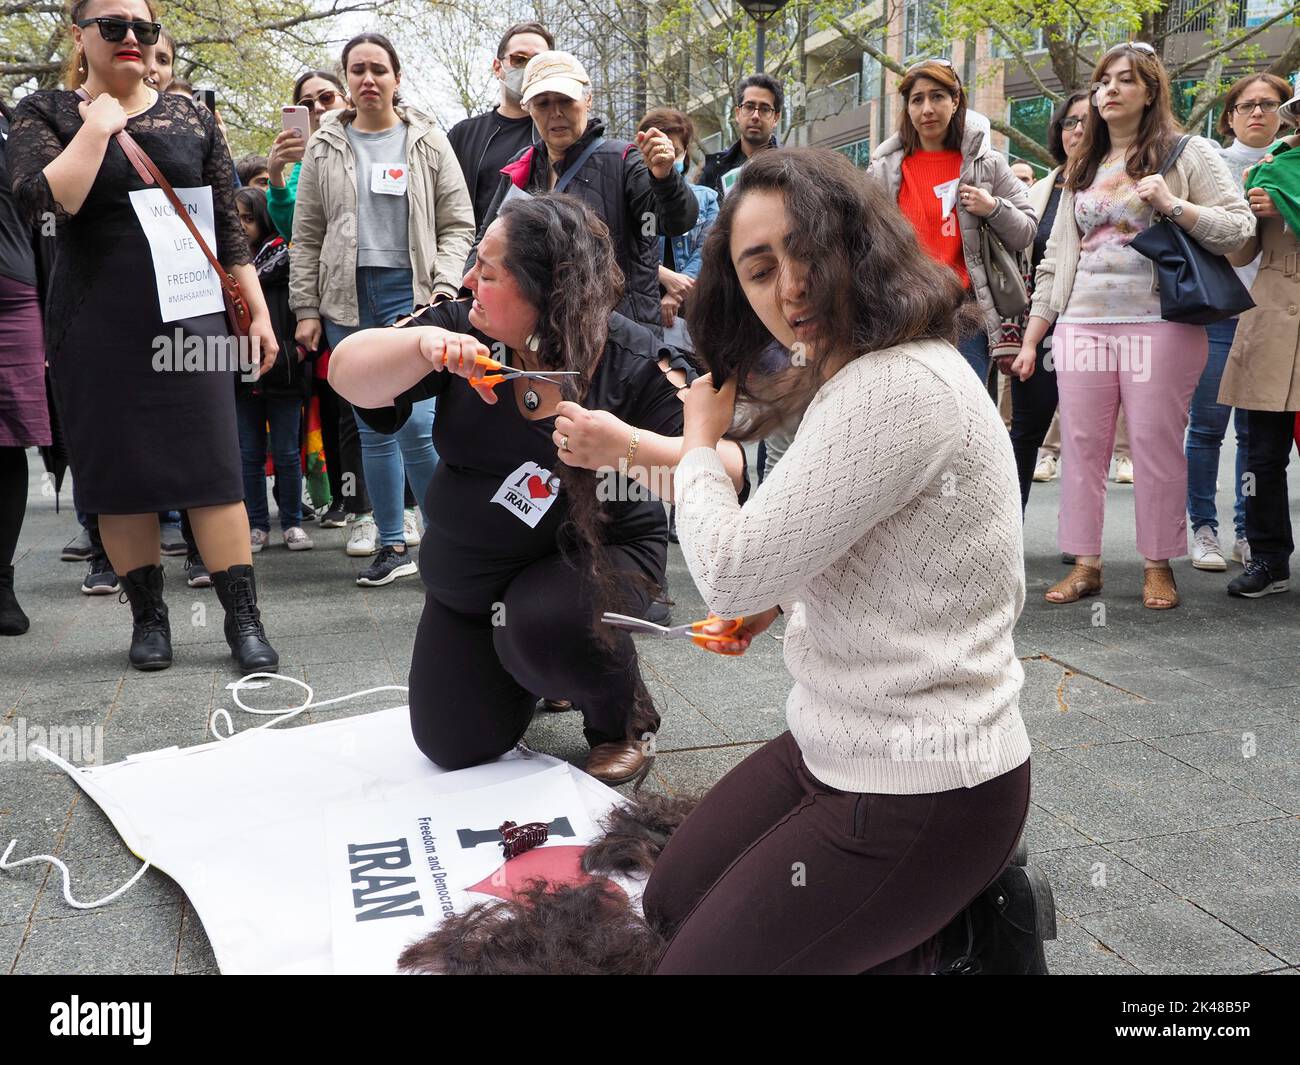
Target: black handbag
(1197, 287)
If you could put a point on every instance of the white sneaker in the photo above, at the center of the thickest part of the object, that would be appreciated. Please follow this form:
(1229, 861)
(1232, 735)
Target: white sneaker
(296, 539)
(364, 538)
(1241, 550)
(1046, 469)
(258, 539)
(411, 527)
(1123, 471)
(1205, 550)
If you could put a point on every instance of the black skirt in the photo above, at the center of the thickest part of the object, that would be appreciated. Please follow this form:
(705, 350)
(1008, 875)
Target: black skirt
(145, 430)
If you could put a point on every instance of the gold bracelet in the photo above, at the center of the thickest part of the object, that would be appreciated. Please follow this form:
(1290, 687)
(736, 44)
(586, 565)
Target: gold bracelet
(631, 448)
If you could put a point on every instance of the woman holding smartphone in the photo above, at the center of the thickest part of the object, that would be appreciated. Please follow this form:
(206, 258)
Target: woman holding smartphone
(140, 440)
(318, 92)
(383, 221)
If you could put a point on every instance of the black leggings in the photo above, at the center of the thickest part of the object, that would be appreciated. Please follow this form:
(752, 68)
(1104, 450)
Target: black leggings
(1033, 403)
(13, 500)
(474, 683)
(775, 872)
(342, 443)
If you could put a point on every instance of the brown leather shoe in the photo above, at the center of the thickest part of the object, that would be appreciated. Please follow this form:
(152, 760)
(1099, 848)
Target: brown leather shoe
(617, 763)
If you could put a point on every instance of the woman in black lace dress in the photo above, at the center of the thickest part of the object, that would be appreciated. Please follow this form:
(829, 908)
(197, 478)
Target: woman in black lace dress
(140, 439)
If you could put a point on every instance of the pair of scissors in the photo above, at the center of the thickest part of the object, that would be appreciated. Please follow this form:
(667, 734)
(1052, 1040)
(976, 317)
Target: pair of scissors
(691, 631)
(502, 372)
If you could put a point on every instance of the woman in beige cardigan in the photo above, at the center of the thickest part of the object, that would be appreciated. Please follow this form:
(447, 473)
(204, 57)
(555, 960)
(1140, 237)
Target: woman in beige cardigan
(383, 222)
(1111, 348)
(1263, 378)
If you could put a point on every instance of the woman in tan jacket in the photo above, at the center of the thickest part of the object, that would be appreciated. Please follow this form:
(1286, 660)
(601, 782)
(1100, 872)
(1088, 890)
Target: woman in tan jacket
(1263, 379)
(383, 221)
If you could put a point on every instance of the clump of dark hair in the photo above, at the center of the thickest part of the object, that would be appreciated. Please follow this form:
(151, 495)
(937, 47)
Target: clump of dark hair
(636, 834)
(582, 930)
(869, 282)
(564, 929)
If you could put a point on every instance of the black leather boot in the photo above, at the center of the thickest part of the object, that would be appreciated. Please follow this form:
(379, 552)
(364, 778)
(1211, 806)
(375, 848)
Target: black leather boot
(13, 622)
(237, 591)
(1001, 933)
(151, 634)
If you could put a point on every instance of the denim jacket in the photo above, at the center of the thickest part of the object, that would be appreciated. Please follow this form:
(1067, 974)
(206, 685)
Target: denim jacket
(687, 247)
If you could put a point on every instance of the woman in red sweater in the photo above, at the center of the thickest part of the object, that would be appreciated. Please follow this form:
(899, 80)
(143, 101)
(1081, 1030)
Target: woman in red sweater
(948, 181)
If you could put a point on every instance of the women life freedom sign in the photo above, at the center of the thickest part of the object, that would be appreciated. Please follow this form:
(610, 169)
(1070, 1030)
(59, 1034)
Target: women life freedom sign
(187, 284)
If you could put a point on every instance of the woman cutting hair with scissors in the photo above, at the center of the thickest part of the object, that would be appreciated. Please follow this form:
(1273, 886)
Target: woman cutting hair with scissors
(534, 531)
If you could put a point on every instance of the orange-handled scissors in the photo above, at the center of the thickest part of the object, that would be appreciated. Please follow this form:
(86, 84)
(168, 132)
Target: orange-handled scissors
(505, 373)
(691, 631)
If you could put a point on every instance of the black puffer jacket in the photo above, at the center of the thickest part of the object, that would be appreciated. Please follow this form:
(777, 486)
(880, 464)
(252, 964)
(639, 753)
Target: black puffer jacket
(637, 207)
(287, 376)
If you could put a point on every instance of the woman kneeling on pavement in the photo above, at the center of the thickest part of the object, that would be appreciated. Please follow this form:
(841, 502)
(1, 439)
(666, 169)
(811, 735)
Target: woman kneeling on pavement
(534, 529)
(879, 834)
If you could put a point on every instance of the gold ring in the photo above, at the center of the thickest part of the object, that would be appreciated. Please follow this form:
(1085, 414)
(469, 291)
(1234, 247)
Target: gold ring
(564, 443)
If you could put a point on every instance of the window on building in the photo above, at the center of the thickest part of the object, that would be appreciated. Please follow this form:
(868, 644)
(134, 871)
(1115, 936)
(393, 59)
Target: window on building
(871, 81)
(859, 152)
(1196, 16)
(1257, 11)
(922, 31)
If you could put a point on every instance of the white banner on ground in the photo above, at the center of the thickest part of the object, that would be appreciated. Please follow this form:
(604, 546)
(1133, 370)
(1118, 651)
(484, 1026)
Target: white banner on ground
(250, 827)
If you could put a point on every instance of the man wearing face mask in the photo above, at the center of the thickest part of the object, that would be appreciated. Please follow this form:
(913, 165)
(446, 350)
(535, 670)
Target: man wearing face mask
(485, 143)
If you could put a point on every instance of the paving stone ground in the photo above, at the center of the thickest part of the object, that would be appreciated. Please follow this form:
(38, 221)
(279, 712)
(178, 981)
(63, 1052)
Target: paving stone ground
(1166, 776)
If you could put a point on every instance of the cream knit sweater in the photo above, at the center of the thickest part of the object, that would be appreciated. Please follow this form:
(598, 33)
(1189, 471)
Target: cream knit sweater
(890, 533)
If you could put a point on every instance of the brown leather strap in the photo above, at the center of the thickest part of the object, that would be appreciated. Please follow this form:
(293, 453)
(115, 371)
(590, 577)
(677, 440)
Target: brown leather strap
(151, 175)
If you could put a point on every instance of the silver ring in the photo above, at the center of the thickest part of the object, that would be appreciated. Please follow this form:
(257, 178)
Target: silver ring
(564, 443)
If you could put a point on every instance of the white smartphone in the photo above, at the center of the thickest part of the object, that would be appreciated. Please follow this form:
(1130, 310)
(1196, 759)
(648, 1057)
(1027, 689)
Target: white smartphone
(295, 117)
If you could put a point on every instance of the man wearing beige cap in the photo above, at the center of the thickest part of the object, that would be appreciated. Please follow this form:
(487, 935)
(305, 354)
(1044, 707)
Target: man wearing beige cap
(634, 188)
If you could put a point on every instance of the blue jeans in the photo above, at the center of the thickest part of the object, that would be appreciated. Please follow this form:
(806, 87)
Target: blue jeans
(975, 350)
(284, 413)
(1205, 431)
(383, 295)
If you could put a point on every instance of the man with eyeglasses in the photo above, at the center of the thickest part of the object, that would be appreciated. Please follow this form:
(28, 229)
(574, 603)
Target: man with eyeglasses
(485, 143)
(758, 110)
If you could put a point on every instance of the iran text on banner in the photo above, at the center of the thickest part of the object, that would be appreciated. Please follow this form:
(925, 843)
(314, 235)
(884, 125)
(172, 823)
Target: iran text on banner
(251, 828)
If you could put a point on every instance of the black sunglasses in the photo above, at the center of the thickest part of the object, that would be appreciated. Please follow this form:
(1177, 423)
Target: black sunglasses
(114, 30)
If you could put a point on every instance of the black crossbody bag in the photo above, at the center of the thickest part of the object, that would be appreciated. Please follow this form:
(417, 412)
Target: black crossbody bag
(1197, 287)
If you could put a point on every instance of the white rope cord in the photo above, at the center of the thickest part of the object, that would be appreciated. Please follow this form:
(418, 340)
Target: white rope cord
(280, 715)
(5, 863)
(283, 715)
